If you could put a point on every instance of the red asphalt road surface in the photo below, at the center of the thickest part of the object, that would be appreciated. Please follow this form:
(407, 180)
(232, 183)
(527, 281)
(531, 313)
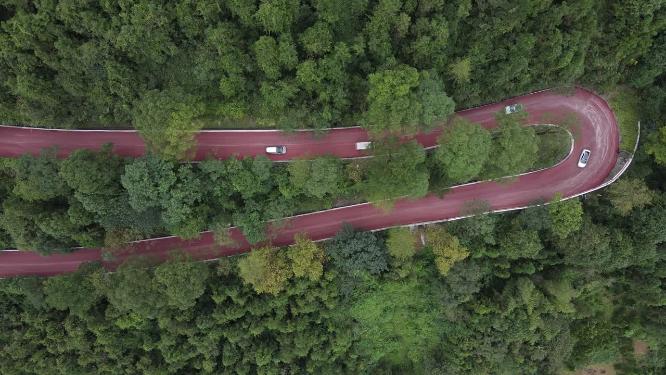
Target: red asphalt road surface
(597, 131)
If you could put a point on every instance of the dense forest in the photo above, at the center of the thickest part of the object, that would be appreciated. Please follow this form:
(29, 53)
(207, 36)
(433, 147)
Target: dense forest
(541, 291)
(170, 67)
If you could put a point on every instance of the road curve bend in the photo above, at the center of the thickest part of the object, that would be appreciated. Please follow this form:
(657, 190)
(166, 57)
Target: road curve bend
(596, 129)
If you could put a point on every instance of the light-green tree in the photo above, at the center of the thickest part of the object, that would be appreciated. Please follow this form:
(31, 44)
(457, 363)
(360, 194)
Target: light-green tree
(402, 100)
(446, 248)
(565, 216)
(265, 269)
(629, 193)
(397, 321)
(317, 39)
(461, 70)
(401, 243)
(316, 177)
(307, 258)
(277, 16)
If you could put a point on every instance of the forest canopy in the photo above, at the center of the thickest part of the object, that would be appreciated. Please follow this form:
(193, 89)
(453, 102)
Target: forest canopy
(539, 291)
(171, 67)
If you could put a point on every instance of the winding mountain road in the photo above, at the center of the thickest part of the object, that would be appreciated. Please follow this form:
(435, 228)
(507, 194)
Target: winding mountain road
(596, 129)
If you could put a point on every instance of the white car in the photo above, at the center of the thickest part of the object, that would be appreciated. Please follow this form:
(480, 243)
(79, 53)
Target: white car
(276, 150)
(513, 108)
(584, 157)
(363, 145)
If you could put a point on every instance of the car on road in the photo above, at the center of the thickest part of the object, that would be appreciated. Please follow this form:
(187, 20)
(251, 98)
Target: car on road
(513, 108)
(363, 145)
(584, 157)
(276, 150)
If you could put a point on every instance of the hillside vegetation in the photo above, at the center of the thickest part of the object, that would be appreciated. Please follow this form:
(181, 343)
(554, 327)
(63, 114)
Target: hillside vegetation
(545, 290)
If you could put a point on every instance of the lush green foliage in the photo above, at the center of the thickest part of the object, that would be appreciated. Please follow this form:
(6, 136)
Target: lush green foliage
(626, 109)
(401, 243)
(515, 148)
(397, 170)
(404, 101)
(265, 269)
(540, 291)
(356, 253)
(446, 248)
(523, 301)
(629, 193)
(565, 217)
(171, 67)
(463, 150)
(307, 258)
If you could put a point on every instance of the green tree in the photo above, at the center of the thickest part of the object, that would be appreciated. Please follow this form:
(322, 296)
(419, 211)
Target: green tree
(89, 172)
(514, 149)
(402, 100)
(265, 269)
(395, 170)
(184, 213)
(148, 181)
(316, 177)
(398, 322)
(74, 292)
(249, 177)
(45, 227)
(277, 16)
(307, 258)
(477, 231)
(37, 178)
(629, 193)
(132, 290)
(463, 150)
(446, 248)
(182, 281)
(565, 216)
(167, 120)
(520, 244)
(357, 252)
(401, 243)
(656, 145)
(588, 247)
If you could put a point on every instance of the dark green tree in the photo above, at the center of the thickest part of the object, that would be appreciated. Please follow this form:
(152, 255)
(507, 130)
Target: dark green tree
(37, 178)
(463, 150)
(357, 252)
(396, 170)
(514, 148)
(402, 100)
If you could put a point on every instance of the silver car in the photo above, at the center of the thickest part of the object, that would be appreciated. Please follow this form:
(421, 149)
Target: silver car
(584, 157)
(276, 150)
(513, 108)
(363, 145)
